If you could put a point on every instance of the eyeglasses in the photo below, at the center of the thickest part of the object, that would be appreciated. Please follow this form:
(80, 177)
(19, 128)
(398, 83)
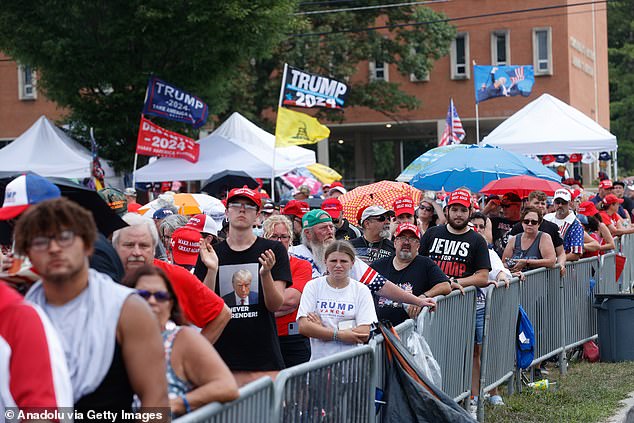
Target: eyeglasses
(42, 243)
(408, 239)
(382, 218)
(280, 237)
(159, 296)
(238, 206)
(530, 222)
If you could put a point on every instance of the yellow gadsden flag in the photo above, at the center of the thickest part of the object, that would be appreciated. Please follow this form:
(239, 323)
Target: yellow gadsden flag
(294, 128)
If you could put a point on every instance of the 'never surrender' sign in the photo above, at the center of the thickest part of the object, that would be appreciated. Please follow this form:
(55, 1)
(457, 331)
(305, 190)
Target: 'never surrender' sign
(166, 101)
(303, 89)
(156, 141)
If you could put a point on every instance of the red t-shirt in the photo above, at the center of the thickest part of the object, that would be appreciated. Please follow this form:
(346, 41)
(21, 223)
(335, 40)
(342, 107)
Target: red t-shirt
(301, 272)
(610, 219)
(199, 304)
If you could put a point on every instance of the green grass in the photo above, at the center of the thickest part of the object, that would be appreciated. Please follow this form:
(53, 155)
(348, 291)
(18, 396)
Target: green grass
(590, 392)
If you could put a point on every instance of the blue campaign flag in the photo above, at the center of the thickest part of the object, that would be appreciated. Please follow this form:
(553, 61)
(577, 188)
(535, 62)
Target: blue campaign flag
(167, 101)
(502, 81)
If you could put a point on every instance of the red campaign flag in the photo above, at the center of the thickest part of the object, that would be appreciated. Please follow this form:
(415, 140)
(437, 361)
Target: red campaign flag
(156, 141)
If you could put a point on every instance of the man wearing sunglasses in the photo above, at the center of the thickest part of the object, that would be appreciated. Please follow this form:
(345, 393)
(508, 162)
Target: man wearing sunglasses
(375, 242)
(105, 329)
(570, 229)
(511, 205)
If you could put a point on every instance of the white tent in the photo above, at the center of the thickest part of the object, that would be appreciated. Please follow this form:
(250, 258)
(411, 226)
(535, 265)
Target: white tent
(550, 126)
(48, 151)
(237, 144)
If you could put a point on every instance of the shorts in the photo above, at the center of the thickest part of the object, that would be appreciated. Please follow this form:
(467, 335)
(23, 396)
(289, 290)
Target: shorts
(479, 326)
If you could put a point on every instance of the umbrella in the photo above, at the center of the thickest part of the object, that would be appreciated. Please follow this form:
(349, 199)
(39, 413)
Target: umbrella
(475, 166)
(187, 204)
(426, 159)
(521, 185)
(378, 194)
(323, 173)
(223, 181)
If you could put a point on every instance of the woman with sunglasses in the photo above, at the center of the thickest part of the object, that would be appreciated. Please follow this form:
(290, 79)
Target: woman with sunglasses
(295, 346)
(532, 248)
(429, 214)
(196, 375)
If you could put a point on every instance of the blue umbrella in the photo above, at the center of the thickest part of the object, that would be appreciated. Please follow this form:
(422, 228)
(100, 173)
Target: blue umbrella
(426, 159)
(475, 166)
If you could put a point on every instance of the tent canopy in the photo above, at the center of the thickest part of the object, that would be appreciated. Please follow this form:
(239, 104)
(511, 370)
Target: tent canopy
(550, 126)
(237, 144)
(48, 151)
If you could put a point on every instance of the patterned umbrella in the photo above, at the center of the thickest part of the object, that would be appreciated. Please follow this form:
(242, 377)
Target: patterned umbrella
(187, 204)
(378, 194)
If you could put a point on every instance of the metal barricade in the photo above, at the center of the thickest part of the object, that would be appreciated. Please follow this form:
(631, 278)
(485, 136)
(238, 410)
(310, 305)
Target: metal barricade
(540, 296)
(253, 406)
(607, 283)
(450, 331)
(498, 342)
(627, 249)
(338, 388)
(579, 315)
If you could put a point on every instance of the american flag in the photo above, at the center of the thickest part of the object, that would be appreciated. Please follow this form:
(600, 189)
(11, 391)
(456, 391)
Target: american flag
(454, 132)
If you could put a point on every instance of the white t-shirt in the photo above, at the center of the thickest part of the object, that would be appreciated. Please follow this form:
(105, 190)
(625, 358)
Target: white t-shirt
(354, 302)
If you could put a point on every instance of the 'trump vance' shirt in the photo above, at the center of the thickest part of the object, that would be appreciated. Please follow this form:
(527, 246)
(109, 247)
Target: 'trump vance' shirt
(352, 303)
(459, 256)
(249, 342)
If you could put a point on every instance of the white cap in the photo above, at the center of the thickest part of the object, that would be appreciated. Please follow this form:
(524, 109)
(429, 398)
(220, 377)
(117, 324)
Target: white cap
(373, 211)
(338, 188)
(564, 194)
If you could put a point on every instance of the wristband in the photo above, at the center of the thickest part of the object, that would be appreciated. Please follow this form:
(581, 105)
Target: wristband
(334, 334)
(188, 408)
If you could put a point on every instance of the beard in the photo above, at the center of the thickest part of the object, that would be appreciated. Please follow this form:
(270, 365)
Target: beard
(385, 234)
(457, 226)
(318, 249)
(405, 255)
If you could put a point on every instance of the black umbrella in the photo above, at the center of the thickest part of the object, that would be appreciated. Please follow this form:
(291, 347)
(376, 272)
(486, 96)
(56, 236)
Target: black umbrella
(223, 181)
(107, 221)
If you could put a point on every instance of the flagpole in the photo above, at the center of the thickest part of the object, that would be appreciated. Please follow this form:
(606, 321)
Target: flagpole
(477, 125)
(279, 105)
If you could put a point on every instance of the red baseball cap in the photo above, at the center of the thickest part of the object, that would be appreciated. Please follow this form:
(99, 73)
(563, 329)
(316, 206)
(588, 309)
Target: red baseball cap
(333, 206)
(202, 223)
(403, 205)
(185, 246)
(247, 193)
(605, 184)
(460, 196)
(407, 227)
(587, 208)
(612, 199)
(296, 208)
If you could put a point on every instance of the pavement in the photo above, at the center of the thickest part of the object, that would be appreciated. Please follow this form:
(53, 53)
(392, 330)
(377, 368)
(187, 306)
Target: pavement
(625, 413)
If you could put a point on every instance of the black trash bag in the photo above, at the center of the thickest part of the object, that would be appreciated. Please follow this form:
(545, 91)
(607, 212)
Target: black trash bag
(409, 395)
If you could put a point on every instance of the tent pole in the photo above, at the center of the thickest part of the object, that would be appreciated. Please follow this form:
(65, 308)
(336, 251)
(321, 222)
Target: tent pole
(136, 156)
(477, 125)
(279, 104)
(616, 168)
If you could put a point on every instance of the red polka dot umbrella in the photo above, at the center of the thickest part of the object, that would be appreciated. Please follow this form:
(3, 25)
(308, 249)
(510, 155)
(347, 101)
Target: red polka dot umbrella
(378, 194)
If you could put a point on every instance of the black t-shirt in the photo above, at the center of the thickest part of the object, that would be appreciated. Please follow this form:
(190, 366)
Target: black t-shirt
(371, 251)
(347, 232)
(500, 229)
(547, 227)
(106, 260)
(459, 256)
(628, 205)
(249, 342)
(417, 278)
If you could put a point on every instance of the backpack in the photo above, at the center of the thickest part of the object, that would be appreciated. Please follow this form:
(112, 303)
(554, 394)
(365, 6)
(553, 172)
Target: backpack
(525, 340)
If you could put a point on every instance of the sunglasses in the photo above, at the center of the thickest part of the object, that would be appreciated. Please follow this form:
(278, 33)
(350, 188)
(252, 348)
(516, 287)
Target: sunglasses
(558, 201)
(530, 222)
(427, 208)
(506, 206)
(380, 218)
(159, 296)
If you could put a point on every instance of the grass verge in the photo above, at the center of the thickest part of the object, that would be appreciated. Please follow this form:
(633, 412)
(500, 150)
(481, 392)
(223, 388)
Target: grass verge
(590, 392)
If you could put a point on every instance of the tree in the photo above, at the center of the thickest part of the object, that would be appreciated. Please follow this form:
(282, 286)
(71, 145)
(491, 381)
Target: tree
(621, 63)
(339, 43)
(94, 57)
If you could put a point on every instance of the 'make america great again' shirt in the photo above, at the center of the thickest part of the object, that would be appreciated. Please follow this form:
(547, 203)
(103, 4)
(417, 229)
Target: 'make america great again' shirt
(459, 256)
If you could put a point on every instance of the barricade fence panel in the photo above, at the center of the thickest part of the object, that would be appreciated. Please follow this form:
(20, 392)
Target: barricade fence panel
(627, 249)
(540, 296)
(498, 343)
(339, 388)
(607, 283)
(579, 316)
(450, 332)
(253, 406)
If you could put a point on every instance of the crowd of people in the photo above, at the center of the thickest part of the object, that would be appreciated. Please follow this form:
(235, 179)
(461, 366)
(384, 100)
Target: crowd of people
(180, 311)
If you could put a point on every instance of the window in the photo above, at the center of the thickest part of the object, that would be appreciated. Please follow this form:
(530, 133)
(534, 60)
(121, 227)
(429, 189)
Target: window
(500, 48)
(379, 71)
(26, 83)
(460, 57)
(542, 51)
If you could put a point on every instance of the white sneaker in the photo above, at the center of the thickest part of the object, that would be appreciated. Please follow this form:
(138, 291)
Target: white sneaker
(496, 400)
